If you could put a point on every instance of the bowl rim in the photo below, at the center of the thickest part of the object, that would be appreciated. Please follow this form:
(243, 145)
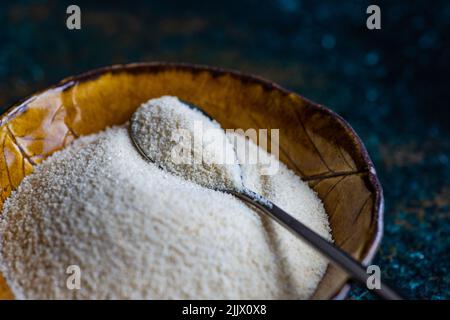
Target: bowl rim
(152, 67)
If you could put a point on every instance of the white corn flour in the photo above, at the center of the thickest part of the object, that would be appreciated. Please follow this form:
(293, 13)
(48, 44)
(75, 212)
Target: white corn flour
(186, 143)
(138, 232)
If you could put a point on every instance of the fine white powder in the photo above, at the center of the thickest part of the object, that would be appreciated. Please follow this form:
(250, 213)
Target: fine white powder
(185, 142)
(138, 232)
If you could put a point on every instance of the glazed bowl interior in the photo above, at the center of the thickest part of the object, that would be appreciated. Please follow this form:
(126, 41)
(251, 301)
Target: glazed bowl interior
(314, 142)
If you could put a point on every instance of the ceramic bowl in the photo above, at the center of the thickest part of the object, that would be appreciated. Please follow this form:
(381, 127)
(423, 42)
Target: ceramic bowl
(315, 142)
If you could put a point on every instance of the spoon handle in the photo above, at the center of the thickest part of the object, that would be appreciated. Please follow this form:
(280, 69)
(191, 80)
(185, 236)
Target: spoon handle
(332, 252)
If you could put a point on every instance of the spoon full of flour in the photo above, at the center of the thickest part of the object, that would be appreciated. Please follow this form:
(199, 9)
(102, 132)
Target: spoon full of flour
(183, 140)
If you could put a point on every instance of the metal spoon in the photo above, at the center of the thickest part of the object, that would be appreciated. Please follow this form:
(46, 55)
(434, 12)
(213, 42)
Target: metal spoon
(336, 255)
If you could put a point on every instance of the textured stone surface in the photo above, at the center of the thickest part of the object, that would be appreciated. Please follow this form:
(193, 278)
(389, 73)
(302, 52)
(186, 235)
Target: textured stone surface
(391, 85)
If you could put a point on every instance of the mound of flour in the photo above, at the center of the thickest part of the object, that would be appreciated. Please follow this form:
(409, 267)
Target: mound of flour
(137, 232)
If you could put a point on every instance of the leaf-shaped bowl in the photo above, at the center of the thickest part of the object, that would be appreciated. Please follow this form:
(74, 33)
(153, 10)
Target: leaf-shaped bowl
(314, 142)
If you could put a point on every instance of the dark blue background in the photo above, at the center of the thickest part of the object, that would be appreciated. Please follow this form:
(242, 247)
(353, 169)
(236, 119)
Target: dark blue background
(392, 85)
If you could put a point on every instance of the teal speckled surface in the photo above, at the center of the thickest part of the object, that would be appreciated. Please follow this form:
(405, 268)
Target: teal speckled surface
(392, 86)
